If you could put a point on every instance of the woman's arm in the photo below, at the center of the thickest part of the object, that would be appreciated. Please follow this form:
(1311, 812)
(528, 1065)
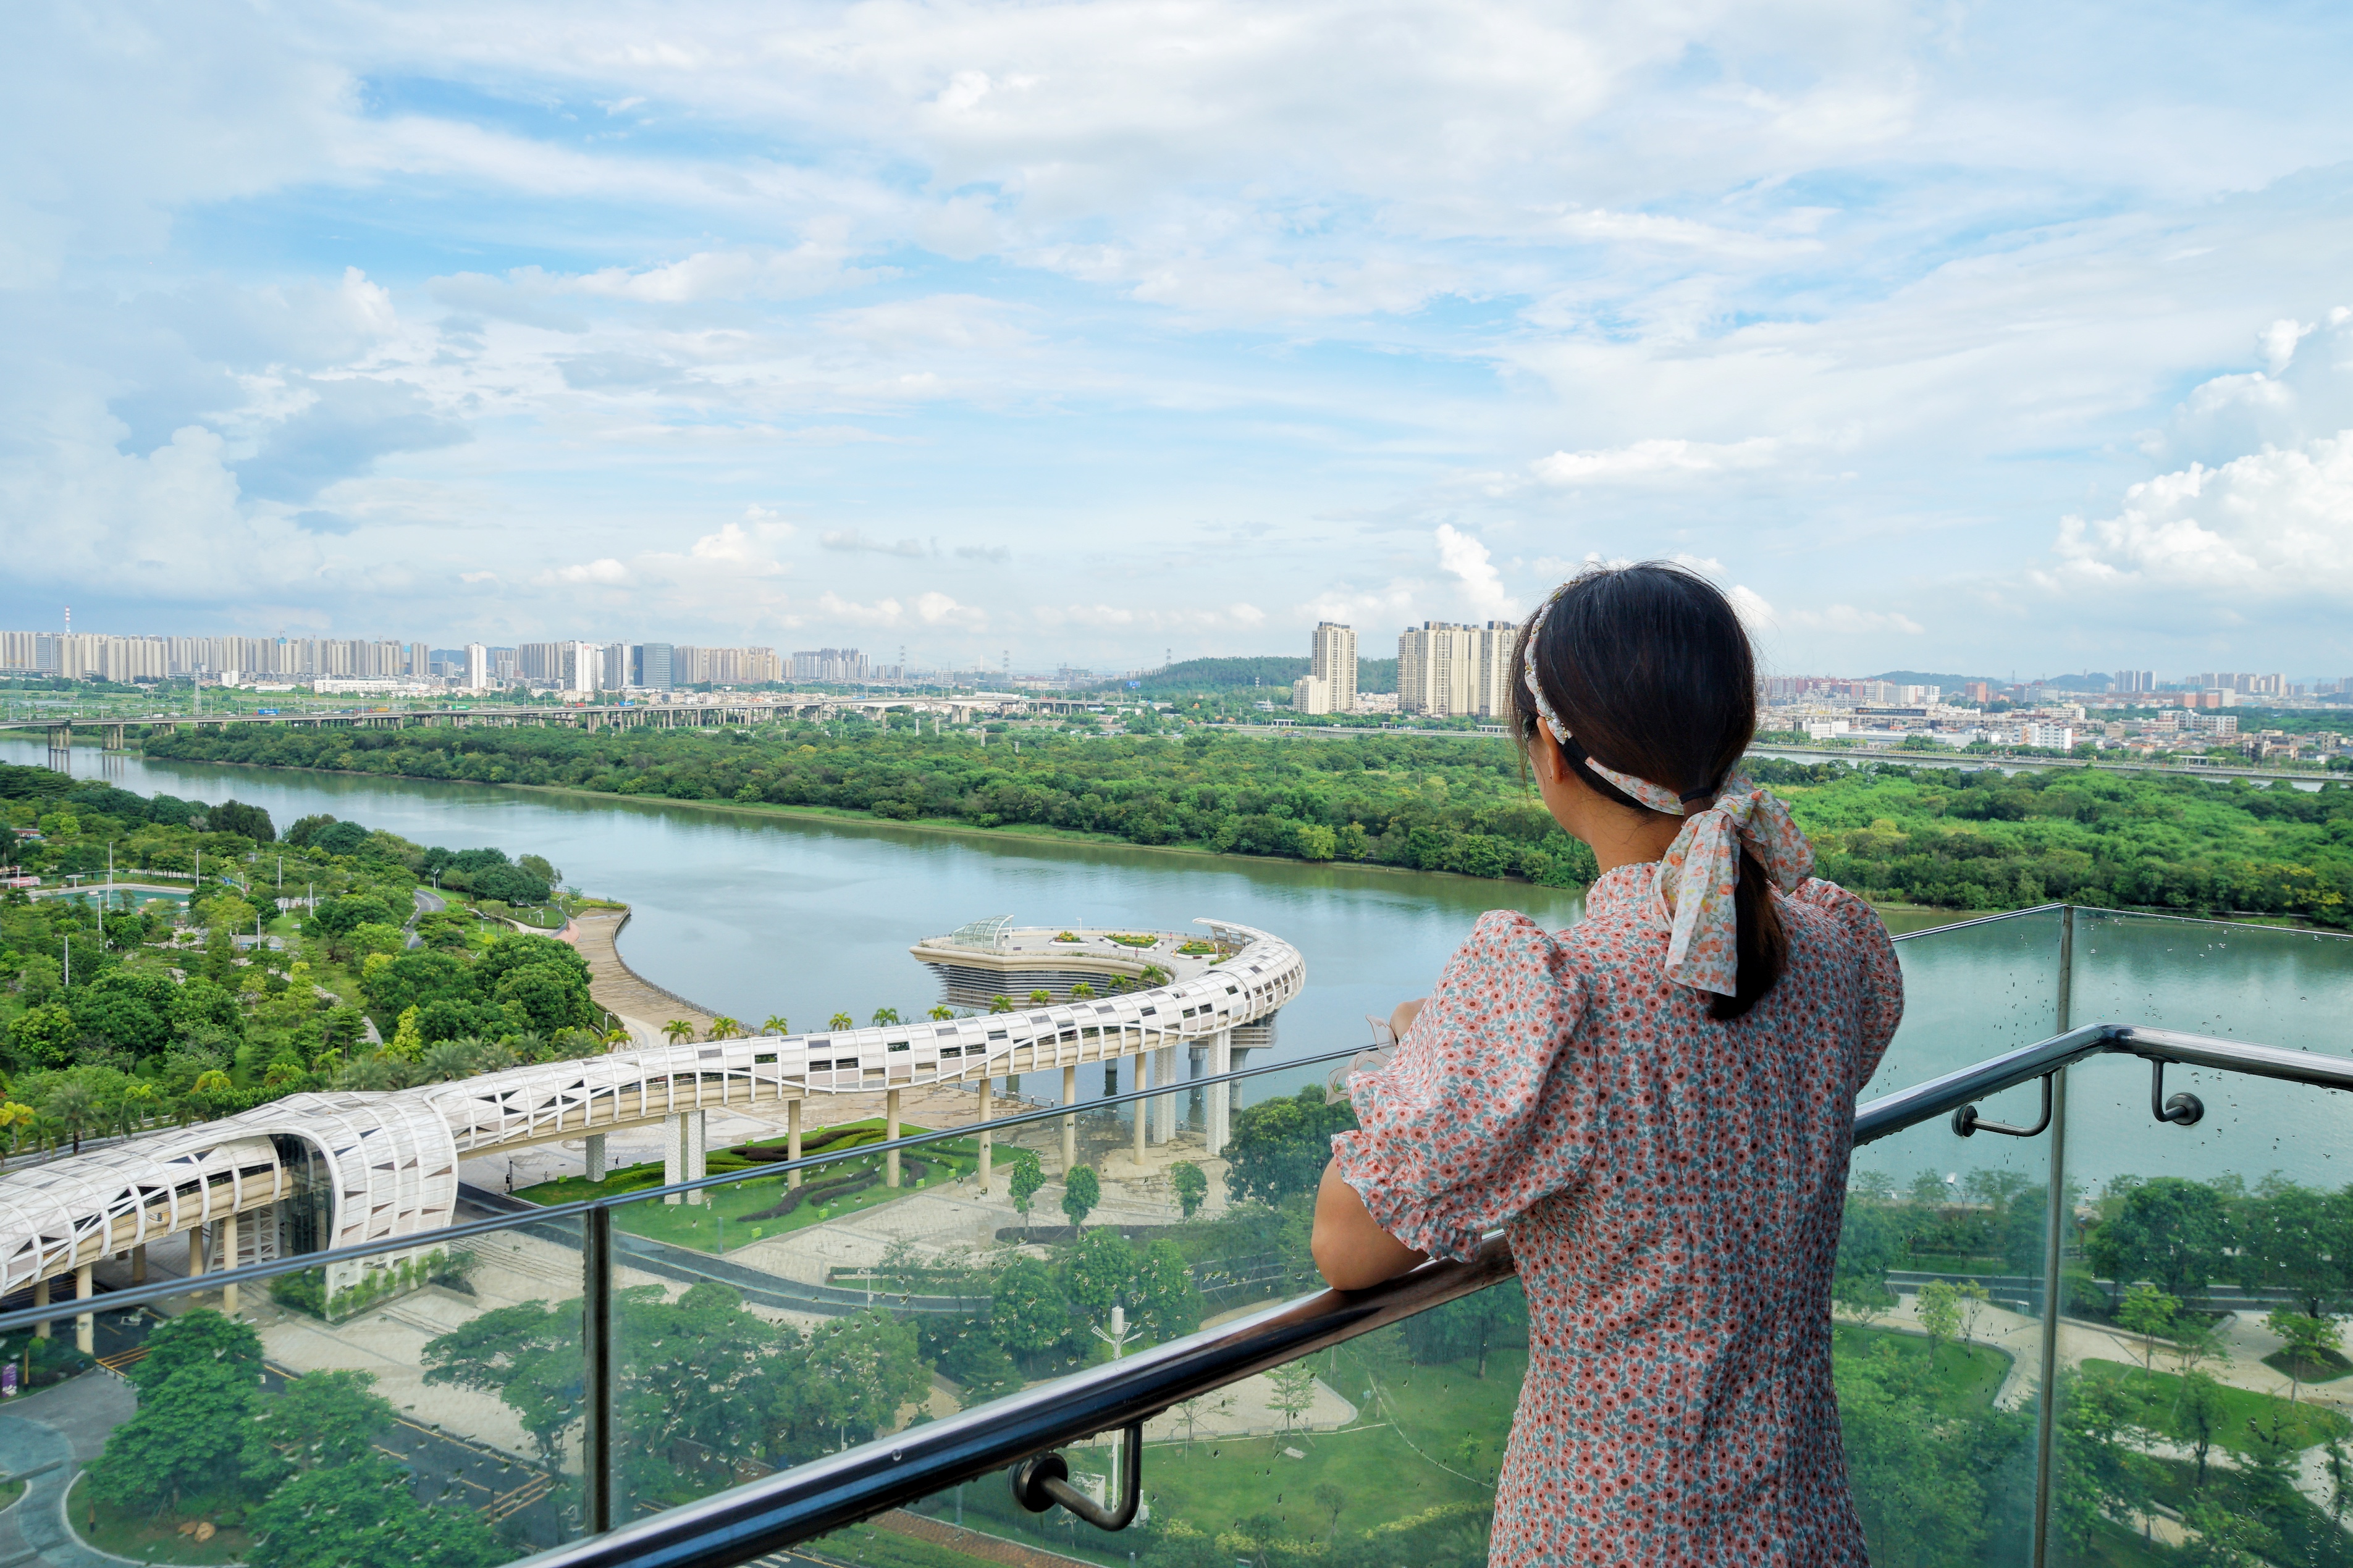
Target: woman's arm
(1351, 1250)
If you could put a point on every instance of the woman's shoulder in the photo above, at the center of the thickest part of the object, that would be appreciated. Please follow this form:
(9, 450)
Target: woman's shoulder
(1834, 911)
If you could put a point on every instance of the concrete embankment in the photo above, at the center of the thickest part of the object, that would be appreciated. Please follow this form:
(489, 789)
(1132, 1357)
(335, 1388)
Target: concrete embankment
(638, 1002)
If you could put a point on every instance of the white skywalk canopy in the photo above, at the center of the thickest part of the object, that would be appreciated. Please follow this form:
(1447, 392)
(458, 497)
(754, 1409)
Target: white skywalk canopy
(388, 1162)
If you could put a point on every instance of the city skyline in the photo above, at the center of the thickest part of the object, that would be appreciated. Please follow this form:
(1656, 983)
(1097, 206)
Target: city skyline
(1087, 329)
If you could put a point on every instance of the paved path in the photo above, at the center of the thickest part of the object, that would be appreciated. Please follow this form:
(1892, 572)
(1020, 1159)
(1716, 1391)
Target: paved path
(642, 1005)
(48, 1437)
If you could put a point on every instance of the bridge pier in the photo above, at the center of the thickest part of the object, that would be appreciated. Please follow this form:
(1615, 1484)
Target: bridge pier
(596, 1156)
(139, 1264)
(229, 1260)
(891, 1135)
(987, 1138)
(1163, 1107)
(1143, 1107)
(1220, 1102)
(61, 746)
(793, 1140)
(85, 1323)
(41, 1299)
(1070, 1123)
(683, 1154)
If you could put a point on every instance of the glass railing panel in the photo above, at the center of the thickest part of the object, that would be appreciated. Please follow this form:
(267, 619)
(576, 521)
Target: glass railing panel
(767, 1320)
(2202, 1408)
(1384, 1449)
(1971, 992)
(2274, 984)
(306, 1418)
(1937, 1349)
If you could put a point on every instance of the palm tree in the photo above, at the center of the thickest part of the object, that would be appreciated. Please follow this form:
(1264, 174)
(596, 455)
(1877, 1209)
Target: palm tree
(941, 1012)
(775, 1023)
(1155, 975)
(447, 1060)
(1042, 998)
(724, 1027)
(841, 1021)
(886, 1016)
(616, 1036)
(529, 1046)
(678, 1029)
(1082, 991)
(1000, 1004)
(73, 1107)
(496, 1058)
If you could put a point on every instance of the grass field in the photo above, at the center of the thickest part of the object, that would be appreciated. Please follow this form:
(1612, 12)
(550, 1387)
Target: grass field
(2328, 1369)
(2158, 1394)
(142, 1539)
(725, 1219)
(1967, 1376)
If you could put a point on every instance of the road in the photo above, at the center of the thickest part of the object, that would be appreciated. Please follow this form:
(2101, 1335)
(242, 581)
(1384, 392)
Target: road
(428, 903)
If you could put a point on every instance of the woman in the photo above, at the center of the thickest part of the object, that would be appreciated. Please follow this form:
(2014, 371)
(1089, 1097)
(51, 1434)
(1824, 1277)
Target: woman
(1657, 1104)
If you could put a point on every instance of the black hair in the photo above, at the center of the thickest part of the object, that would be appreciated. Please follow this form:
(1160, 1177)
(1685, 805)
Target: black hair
(1651, 672)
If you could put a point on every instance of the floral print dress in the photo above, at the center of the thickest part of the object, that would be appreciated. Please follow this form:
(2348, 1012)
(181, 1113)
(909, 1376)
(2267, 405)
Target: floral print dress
(1672, 1186)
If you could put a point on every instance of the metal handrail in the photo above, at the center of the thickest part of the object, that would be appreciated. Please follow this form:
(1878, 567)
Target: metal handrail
(808, 1500)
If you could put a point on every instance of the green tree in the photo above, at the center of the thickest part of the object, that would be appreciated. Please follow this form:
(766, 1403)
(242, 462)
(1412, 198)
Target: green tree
(1028, 1176)
(364, 1515)
(194, 1442)
(690, 1369)
(529, 1355)
(855, 1376)
(1097, 1272)
(2199, 1413)
(2296, 1239)
(1469, 1328)
(1000, 1004)
(327, 1419)
(841, 1021)
(2170, 1231)
(2307, 1343)
(1294, 1391)
(1028, 1313)
(1191, 1185)
(1278, 1148)
(1082, 1191)
(2149, 1312)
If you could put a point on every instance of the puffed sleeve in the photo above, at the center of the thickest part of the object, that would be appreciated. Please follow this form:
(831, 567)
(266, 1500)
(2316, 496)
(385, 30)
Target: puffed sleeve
(1486, 1106)
(1882, 977)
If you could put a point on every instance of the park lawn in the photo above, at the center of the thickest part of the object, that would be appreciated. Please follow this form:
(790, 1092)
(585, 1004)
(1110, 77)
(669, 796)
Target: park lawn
(723, 1219)
(1967, 1376)
(144, 1538)
(9, 1492)
(2305, 1425)
(2310, 1537)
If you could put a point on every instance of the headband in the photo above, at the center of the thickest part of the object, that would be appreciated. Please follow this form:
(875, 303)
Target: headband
(1701, 866)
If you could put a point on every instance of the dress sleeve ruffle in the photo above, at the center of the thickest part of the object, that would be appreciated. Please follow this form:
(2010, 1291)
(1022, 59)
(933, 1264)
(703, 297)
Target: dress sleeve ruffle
(1883, 977)
(1484, 1108)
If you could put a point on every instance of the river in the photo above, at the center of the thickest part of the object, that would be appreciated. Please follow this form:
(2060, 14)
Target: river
(750, 915)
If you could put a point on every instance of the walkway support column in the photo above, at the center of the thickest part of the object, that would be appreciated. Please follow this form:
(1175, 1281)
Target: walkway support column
(1070, 1123)
(139, 1264)
(1164, 1105)
(1221, 1057)
(891, 1135)
(792, 1140)
(987, 1137)
(86, 1323)
(1143, 1107)
(229, 1260)
(698, 1166)
(673, 1151)
(596, 1156)
(41, 1299)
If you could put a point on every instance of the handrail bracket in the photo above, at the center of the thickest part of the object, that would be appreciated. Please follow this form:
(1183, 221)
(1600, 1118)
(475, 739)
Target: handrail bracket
(1042, 1480)
(1968, 1123)
(2184, 1110)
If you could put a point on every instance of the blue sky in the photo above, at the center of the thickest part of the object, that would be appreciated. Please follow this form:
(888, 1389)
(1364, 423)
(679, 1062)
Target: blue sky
(1953, 336)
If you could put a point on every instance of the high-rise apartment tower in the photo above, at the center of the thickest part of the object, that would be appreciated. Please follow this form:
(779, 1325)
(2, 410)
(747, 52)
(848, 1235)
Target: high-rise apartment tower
(1335, 664)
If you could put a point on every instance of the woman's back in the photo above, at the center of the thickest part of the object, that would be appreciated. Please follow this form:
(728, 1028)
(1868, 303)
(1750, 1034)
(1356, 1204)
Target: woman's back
(1673, 1185)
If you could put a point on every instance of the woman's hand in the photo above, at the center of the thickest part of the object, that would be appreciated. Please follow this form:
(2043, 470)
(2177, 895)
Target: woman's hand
(1402, 1019)
(1350, 1249)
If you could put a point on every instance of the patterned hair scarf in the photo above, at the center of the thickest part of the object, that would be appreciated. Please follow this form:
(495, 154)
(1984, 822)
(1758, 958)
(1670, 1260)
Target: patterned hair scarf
(1701, 866)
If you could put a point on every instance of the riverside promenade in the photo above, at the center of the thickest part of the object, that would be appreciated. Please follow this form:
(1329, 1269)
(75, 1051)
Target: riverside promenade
(642, 1007)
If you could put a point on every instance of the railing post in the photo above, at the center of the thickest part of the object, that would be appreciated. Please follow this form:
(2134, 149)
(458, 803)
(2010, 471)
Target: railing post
(2055, 1237)
(597, 1368)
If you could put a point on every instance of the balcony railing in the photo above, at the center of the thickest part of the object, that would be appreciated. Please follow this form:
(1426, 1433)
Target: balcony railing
(708, 1374)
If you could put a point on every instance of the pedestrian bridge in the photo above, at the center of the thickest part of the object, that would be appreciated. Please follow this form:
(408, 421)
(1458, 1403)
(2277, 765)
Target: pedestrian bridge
(347, 1169)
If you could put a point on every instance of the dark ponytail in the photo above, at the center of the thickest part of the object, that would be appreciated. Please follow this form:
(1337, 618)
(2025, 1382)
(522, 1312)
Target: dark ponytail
(1651, 671)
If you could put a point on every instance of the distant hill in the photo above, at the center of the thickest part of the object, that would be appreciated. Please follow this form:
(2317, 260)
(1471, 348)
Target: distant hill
(1263, 670)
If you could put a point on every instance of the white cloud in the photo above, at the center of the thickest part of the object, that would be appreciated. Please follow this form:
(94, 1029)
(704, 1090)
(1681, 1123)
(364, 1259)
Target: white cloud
(849, 540)
(2276, 524)
(1466, 560)
(606, 572)
(1845, 620)
(1660, 458)
(937, 609)
(881, 613)
(754, 273)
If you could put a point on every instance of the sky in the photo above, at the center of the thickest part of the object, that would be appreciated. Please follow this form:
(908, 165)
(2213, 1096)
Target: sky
(1984, 338)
